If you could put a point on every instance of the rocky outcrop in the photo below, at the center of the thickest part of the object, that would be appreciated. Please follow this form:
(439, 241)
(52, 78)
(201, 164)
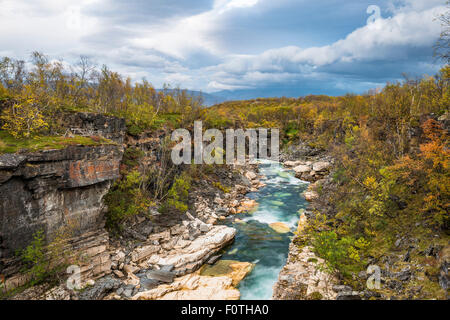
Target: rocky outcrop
(92, 124)
(216, 282)
(193, 287)
(54, 189)
(310, 171)
(302, 279)
(166, 255)
(236, 270)
(187, 257)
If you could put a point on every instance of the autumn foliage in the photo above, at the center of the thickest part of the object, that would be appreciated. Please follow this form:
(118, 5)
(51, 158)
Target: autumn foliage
(32, 99)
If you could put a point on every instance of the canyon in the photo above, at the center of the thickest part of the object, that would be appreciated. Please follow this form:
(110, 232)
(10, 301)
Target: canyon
(62, 190)
(160, 256)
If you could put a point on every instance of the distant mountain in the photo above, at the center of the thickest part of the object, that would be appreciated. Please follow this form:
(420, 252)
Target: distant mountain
(208, 99)
(211, 99)
(272, 92)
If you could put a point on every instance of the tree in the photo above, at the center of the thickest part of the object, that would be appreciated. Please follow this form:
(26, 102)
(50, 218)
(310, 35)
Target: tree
(24, 118)
(442, 47)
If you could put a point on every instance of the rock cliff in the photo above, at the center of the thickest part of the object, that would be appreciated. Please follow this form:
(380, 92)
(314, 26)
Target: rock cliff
(53, 189)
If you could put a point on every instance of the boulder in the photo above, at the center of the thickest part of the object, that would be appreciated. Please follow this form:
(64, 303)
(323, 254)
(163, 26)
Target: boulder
(280, 227)
(149, 284)
(205, 227)
(118, 273)
(234, 203)
(250, 175)
(129, 269)
(247, 205)
(310, 195)
(292, 163)
(101, 288)
(193, 256)
(302, 169)
(193, 287)
(236, 270)
(159, 275)
(321, 166)
(118, 257)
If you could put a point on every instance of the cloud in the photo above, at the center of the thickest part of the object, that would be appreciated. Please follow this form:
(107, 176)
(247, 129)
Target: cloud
(180, 38)
(406, 36)
(213, 45)
(218, 86)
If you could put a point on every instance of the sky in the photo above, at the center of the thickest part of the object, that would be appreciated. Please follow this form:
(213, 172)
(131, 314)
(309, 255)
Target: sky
(248, 47)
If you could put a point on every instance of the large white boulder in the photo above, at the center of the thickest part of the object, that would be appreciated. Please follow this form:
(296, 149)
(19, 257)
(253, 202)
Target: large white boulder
(302, 169)
(197, 252)
(321, 166)
(292, 163)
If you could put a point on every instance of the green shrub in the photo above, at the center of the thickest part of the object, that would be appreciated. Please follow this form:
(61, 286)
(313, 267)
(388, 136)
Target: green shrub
(177, 196)
(345, 255)
(43, 263)
(126, 199)
(221, 187)
(34, 257)
(134, 130)
(132, 156)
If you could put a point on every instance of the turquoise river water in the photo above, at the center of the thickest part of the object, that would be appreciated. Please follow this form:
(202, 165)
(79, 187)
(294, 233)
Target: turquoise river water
(279, 201)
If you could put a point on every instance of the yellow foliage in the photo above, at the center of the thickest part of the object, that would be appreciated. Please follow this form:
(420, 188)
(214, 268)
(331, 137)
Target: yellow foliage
(24, 119)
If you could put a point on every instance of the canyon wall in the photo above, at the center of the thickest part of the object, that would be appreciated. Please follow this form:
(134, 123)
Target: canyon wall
(55, 189)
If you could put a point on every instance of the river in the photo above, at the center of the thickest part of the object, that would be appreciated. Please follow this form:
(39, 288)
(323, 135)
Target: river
(279, 201)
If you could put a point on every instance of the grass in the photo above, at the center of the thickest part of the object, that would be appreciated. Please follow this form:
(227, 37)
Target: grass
(166, 118)
(9, 144)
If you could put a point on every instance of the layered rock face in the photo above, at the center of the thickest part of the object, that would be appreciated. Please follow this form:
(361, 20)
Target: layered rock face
(55, 189)
(91, 124)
